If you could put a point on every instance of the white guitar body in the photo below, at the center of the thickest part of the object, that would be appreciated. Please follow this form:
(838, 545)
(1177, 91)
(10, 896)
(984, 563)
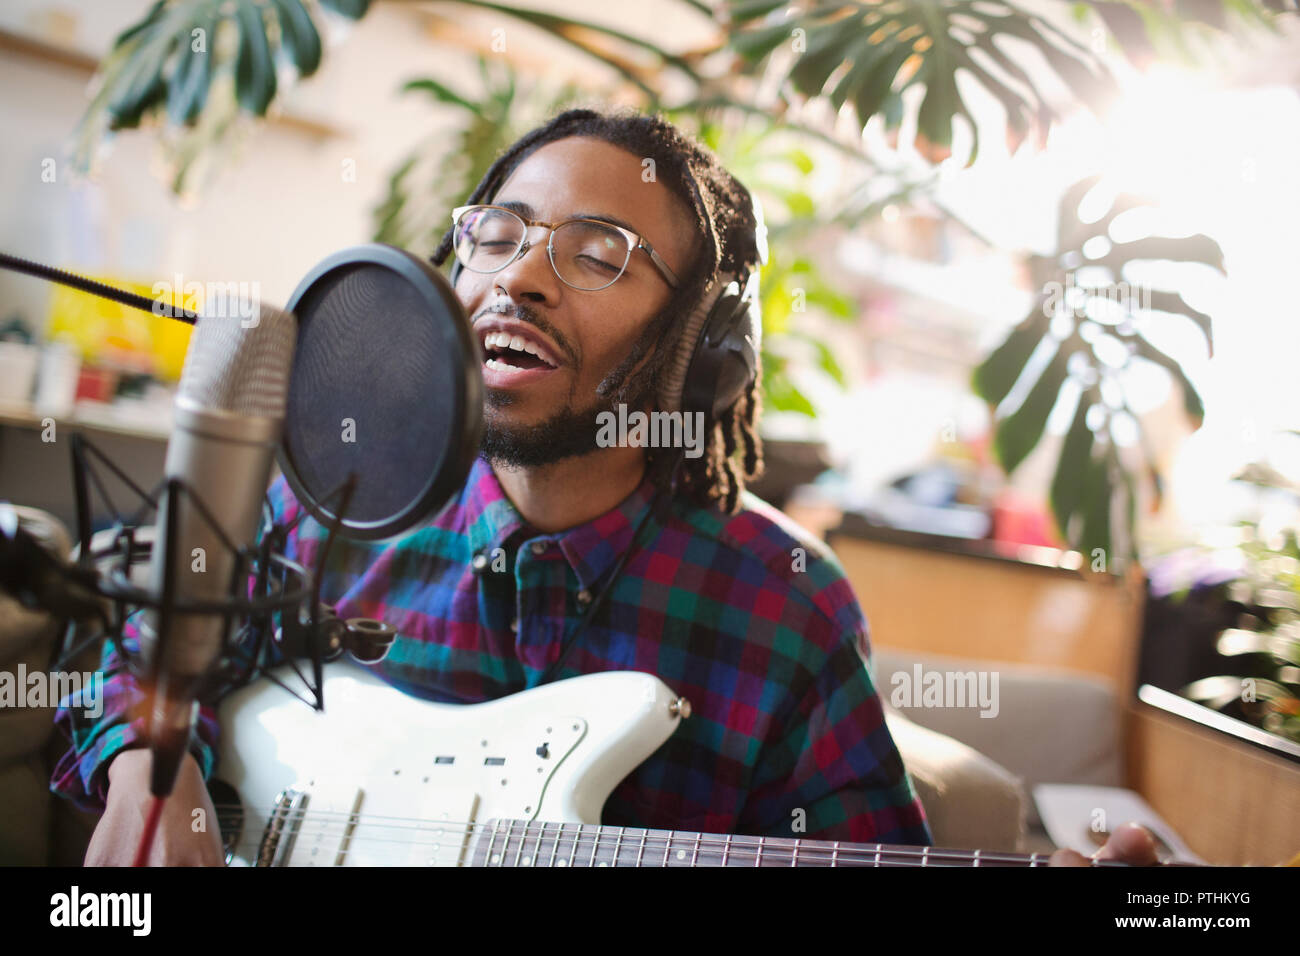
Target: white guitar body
(382, 779)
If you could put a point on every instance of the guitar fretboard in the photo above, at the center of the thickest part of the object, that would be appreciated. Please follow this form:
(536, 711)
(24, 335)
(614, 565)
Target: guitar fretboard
(523, 843)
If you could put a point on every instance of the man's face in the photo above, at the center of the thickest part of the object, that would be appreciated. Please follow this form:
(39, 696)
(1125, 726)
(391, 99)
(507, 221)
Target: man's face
(542, 413)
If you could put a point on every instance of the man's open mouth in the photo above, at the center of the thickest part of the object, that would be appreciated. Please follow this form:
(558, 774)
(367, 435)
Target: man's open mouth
(507, 353)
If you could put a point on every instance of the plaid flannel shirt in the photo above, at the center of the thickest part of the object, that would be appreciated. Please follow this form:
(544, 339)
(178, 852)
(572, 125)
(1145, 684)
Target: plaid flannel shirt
(745, 615)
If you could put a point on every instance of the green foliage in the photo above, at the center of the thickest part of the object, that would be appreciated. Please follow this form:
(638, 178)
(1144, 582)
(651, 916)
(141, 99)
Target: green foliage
(441, 171)
(866, 53)
(863, 53)
(1104, 313)
(1266, 689)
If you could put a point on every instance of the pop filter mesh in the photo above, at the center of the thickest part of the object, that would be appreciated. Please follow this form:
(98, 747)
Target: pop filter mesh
(378, 389)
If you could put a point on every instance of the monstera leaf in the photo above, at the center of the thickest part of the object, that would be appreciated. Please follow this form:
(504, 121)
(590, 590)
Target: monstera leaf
(1086, 328)
(183, 35)
(867, 53)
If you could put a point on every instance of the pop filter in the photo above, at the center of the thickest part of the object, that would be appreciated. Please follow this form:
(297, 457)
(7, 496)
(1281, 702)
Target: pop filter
(386, 385)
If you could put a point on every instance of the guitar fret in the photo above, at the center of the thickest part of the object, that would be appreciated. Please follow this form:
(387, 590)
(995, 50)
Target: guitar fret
(641, 849)
(668, 843)
(835, 854)
(555, 843)
(573, 851)
(618, 842)
(523, 842)
(758, 857)
(695, 851)
(725, 847)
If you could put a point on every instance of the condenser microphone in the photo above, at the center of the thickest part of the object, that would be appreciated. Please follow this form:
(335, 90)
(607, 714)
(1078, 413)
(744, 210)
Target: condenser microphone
(228, 421)
(369, 380)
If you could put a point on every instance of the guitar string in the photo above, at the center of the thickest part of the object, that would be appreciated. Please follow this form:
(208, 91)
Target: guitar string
(734, 858)
(739, 853)
(348, 820)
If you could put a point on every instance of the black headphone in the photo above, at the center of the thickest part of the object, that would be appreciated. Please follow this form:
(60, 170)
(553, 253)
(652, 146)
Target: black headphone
(718, 354)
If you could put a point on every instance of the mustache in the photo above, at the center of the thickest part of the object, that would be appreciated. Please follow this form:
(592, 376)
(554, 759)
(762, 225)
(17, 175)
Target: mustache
(515, 310)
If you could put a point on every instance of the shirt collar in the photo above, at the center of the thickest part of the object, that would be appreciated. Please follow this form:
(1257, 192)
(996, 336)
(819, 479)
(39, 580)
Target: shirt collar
(490, 516)
(590, 548)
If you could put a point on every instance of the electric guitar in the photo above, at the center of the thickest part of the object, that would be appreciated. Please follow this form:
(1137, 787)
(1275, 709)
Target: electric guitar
(382, 779)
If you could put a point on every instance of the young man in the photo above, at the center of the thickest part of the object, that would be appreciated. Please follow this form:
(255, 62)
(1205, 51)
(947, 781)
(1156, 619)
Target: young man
(723, 598)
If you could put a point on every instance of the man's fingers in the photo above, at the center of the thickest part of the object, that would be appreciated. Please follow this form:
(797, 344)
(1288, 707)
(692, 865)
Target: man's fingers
(1130, 843)
(1067, 858)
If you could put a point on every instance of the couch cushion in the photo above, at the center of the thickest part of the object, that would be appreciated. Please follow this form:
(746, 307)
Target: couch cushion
(970, 801)
(1051, 726)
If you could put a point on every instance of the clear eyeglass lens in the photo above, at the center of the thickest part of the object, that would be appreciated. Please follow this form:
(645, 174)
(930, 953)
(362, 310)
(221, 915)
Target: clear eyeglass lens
(487, 239)
(589, 255)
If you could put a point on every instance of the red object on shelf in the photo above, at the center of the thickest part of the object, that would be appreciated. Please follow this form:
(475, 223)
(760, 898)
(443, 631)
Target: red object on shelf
(96, 384)
(1017, 520)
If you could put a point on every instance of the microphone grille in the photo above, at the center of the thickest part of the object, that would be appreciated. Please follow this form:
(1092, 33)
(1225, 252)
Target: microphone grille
(241, 365)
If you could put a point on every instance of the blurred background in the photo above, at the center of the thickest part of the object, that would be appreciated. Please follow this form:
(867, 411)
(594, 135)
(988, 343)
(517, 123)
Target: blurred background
(1030, 333)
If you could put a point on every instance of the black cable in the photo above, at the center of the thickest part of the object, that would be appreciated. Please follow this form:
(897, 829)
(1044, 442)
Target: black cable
(133, 299)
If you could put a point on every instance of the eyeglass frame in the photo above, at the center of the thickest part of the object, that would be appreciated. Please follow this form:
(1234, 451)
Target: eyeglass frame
(634, 242)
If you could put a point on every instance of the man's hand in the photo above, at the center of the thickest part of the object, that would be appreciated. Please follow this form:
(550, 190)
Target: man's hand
(1130, 843)
(176, 843)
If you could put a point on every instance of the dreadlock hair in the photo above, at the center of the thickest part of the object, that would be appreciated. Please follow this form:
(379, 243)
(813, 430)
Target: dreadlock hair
(723, 218)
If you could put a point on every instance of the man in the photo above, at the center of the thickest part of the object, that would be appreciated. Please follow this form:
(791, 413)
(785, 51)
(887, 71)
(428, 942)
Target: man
(719, 595)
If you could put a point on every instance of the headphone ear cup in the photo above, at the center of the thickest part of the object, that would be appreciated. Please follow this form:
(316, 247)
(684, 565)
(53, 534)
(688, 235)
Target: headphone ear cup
(672, 387)
(725, 361)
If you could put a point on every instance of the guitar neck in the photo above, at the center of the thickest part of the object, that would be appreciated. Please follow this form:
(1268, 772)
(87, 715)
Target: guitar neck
(525, 843)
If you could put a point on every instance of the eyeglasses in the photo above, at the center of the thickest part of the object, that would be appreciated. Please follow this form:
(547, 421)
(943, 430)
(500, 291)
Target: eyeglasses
(586, 254)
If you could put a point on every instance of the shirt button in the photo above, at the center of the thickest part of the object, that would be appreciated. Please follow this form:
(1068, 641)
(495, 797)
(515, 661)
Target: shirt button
(539, 548)
(479, 561)
(584, 596)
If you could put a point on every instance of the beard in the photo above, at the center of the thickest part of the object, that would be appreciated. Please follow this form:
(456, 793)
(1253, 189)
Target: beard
(566, 434)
